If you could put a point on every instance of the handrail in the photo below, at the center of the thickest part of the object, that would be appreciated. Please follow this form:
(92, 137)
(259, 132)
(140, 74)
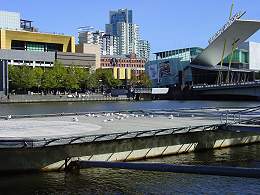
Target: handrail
(43, 142)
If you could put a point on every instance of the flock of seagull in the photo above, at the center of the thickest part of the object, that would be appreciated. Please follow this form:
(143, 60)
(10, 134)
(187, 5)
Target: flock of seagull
(118, 116)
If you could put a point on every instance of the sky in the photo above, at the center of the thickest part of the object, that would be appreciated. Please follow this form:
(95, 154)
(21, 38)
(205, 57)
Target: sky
(166, 24)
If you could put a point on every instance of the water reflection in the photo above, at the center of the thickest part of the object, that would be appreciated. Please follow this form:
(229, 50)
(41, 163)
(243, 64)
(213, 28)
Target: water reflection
(113, 181)
(48, 108)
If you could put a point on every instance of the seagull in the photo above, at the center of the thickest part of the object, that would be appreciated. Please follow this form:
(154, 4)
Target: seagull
(8, 117)
(75, 119)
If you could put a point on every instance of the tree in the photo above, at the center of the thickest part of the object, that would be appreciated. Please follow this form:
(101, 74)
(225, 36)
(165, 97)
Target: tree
(22, 77)
(48, 80)
(59, 75)
(142, 80)
(38, 74)
(83, 77)
(71, 80)
(106, 76)
(92, 81)
(145, 80)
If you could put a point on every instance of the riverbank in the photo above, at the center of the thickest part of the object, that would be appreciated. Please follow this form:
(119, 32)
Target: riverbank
(59, 98)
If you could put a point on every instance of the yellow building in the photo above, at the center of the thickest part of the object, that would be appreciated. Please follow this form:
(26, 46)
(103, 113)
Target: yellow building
(122, 73)
(35, 41)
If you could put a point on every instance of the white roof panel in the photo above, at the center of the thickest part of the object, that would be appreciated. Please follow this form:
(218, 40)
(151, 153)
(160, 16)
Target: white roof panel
(239, 31)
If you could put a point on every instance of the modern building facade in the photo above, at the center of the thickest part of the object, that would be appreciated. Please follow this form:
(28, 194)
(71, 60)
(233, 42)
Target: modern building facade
(121, 25)
(119, 16)
(108, 43)
(251, 55)
(144, 49)
(124, 67)
(120, 38)
(184, 54)
(197, 66)
(35, 41)
(29, 58)
(84, 60)
(93, 49)
(21, 44)
(240, 59)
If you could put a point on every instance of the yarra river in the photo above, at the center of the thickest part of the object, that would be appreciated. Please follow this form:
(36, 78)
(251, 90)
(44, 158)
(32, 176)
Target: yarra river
(112, 181)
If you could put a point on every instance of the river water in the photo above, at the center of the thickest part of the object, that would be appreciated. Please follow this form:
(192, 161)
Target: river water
(111, 181)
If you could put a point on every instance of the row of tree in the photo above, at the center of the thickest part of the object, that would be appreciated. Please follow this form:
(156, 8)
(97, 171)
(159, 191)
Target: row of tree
(24, 78)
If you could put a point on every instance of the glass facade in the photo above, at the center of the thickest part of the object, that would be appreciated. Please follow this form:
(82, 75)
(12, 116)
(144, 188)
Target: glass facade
(122, 15)
(185, 54)
(119, 16)
(239, 56)
(35, 46)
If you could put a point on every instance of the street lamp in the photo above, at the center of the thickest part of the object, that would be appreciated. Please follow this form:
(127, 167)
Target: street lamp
(100, 85)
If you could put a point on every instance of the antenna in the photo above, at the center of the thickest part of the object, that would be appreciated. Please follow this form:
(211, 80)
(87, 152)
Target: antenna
(220, 75)
(231, 9)
(85, 28)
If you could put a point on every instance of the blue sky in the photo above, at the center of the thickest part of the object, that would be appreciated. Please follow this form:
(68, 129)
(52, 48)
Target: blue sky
(167, 24)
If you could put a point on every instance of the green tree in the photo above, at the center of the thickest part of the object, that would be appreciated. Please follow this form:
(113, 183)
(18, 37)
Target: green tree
(38, 74)
(92, 81)
(83, 77)
(49, 80)
(145, 80)
(107, 79)
(142, 80)
(59, 75)
(22, 78)
(71, 80)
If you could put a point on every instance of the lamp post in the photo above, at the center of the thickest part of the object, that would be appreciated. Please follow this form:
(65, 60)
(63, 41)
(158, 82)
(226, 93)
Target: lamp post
(100, 85)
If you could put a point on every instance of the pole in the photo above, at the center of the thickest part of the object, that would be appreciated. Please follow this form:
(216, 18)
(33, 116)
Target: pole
(222, 59)
(230, 61)
(162, 167)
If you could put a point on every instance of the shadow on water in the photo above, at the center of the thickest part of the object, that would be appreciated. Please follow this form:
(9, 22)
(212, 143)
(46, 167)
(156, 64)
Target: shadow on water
(114, 181)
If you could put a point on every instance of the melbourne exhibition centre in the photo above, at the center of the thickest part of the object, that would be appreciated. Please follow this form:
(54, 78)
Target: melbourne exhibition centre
(226, 63)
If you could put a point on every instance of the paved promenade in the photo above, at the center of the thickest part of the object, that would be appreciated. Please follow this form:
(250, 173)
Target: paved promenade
(99, 123)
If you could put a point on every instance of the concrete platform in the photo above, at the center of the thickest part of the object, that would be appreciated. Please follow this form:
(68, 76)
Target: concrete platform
(92, 124)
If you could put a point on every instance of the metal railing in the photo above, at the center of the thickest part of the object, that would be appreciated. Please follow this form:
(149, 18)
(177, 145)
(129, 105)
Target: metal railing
(44, 142)
(245, 116)
(142, 90)
(250, 83)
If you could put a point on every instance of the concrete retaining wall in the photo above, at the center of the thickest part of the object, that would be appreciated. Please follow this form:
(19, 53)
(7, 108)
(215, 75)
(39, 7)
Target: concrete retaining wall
(52, 158)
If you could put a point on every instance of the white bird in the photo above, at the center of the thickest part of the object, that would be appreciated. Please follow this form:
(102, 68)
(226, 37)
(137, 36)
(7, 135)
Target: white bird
(75, 119)
(8, 117)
